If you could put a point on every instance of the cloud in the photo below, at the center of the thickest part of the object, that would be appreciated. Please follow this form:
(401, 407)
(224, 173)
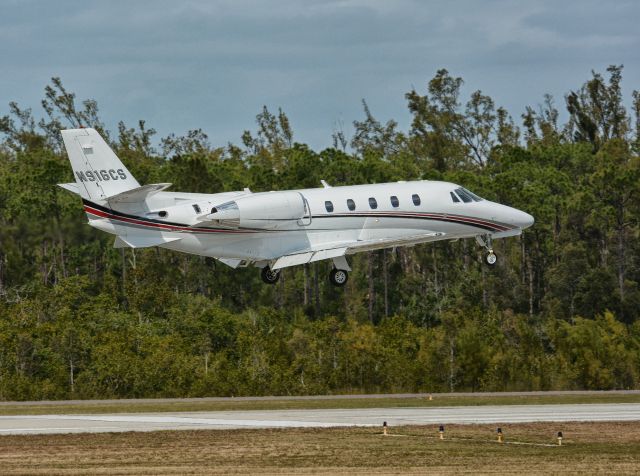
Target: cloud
(213, 64)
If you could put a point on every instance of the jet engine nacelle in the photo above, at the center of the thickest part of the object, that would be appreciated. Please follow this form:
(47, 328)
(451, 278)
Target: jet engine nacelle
(267, 211)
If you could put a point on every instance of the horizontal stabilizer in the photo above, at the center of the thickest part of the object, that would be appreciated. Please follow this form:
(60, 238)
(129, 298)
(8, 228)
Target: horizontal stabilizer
(138, 194)
(141, 241)
(71, 187)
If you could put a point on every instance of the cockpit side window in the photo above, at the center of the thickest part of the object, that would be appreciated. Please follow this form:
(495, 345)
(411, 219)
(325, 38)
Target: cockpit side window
(454, 197)
(467, 196)
(473, 195)
(463, 195)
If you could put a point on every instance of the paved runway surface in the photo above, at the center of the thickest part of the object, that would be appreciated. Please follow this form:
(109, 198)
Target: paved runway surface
(33, 424)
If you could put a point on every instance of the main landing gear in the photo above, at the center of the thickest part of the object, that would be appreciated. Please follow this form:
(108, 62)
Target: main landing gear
(269, 276)
(338, 277)
(485, 241)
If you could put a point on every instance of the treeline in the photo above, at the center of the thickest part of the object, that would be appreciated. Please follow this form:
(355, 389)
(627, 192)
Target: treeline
(80, 319)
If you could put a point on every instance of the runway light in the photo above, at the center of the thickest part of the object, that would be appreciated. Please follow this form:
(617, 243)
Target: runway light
(500, 440)
(559, 438)
(430, 397)
(441, 431)
(384, 428)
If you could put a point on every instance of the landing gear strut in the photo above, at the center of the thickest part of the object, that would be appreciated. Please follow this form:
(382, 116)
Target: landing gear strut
(338, 277)
(269, 276)
(485, 241)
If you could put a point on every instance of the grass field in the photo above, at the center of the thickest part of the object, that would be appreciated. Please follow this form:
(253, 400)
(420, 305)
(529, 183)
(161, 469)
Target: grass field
(612, 448)
(178, 405)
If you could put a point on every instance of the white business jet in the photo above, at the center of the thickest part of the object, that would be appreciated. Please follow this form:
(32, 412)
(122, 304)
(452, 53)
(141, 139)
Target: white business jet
(275, 230)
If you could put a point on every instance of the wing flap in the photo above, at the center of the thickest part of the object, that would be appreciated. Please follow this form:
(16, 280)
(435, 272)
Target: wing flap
(338, 249)
(328, 254)
(292, 260)
(231, 262)
(141, 241)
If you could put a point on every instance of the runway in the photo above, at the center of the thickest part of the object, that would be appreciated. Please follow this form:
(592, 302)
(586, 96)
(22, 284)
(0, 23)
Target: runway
(325, 418)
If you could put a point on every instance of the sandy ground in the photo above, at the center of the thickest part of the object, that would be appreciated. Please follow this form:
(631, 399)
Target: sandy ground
(612, 448)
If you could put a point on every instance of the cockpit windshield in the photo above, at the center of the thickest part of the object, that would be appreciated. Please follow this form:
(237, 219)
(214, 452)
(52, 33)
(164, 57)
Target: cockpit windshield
(465, 195)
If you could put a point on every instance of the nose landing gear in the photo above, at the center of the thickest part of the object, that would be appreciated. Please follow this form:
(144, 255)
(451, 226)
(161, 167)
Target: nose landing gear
(485, 241)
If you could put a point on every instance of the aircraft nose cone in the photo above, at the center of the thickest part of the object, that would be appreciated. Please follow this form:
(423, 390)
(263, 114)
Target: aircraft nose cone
(522, 220)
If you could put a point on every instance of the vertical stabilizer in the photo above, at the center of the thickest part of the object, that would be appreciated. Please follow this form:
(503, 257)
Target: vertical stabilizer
(99, 173)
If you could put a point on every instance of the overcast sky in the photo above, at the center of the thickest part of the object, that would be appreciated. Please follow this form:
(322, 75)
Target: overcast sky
(185, 64)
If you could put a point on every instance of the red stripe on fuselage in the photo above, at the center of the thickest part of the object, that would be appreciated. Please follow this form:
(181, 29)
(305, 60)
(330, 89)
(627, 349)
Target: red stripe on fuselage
(435, 216)
(110, 216)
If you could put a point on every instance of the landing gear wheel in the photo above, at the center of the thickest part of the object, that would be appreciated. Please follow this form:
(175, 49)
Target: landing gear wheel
(491, 258)
(269, 276)
(338, 277)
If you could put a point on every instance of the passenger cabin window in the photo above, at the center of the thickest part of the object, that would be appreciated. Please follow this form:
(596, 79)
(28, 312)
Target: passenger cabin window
(416, 199)
(395, 203)
(196, 208)
(372, 203)
(454, 197)
(351, 205)
(329, 206)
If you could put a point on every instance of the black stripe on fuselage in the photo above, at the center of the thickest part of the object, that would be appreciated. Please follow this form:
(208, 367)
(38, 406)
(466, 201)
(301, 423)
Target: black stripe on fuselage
(117, 213)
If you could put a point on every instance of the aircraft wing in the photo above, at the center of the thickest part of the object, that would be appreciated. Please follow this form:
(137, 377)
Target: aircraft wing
(341, 248)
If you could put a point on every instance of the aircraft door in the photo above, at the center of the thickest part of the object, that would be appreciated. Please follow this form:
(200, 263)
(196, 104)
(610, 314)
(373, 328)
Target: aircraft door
(306, 219)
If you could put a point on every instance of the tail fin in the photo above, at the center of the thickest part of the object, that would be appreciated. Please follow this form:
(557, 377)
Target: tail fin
(97, 170)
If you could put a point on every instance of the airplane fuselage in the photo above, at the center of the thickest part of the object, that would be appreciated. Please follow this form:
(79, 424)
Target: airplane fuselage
(275, 230)
(397, 214)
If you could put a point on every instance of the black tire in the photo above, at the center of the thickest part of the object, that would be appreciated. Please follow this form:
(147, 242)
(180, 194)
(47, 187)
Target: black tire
(269, 276)
(491, 259)
(338, 277)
